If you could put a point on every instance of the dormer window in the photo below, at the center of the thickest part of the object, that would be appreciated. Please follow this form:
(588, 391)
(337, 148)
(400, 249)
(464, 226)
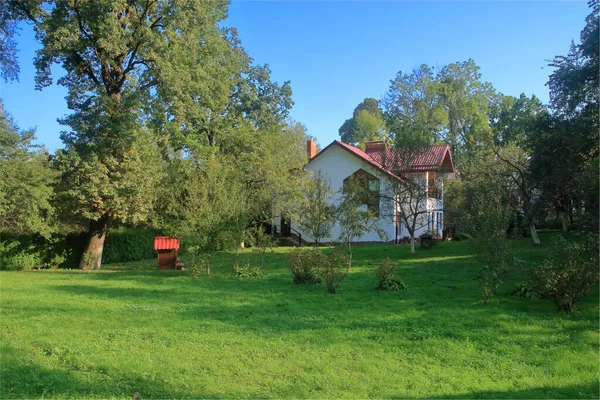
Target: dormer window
(369, 186)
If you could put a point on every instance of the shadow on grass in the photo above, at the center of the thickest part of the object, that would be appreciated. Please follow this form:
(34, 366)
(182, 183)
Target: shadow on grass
(590, 390)
(23, 378)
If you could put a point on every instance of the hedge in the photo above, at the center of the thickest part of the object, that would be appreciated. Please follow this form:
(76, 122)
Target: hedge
(65, 250)
(129, 244)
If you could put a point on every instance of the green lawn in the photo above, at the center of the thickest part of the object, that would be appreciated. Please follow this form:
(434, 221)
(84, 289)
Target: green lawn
(130, 328)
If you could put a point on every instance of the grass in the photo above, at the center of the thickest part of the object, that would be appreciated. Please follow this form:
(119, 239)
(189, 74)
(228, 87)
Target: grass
(131, 328)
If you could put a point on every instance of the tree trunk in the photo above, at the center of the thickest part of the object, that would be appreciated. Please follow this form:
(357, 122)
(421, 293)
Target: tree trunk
(92, 254)
(412, 244)
(534, 235)
(350, 258)
(563, 218)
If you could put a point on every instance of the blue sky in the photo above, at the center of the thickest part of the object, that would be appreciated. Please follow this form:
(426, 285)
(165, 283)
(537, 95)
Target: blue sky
(337, 53)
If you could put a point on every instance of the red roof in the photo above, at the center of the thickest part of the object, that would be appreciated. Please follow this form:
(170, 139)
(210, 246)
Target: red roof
(166, 243)
(433, 158)
(389, 161)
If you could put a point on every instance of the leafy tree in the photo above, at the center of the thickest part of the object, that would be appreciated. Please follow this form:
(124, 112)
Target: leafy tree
(209, 213)
(353, 217)
(568, 273)
(452, 106)
(521, 184)
(413, 107)
(466, 100)
(317, 212)
(564, 152)
(566, 146)
(489, 217)
(514, 120)
(164, 65)
(9, 66)
(26, 181)
(574, 83)
(366, 124)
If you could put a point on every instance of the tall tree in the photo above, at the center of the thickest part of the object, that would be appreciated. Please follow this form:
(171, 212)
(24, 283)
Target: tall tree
(566, 147)
(513, 120)
(467, 101)
(9, 66)
(26, 181)
(317, 211)
(126, 64)
(413, 106)
(366, 124)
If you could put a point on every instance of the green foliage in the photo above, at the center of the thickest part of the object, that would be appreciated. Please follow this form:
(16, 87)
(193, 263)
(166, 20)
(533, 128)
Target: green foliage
(488, 220)
(458, 236)
(514, 119)
(335, 266)
(9, 65)
(566, 145)
(26, 181)
(129, 244)
(89, 260)
(244, 271)
(393, 284)
(195, 271)
(305, 265)
(64, 250)
(366, 124)
(260, 241)
(13, 258)
(142, 73)
(567, 274)
(353, 219)
(317, 214)
(451, 105)
(386, 279)
(384, 272)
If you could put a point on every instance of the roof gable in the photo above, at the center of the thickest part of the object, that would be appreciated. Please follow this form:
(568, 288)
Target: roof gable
(433, 158)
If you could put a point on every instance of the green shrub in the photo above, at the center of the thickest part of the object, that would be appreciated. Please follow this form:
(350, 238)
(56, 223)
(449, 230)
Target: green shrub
(567, 274)
(384, 272)
(393, 284)
(246, 271)
(66, 249)
(129, 244)
(16, 257)
(335, 267)
(385, 278)
(88, 261)
(458, 236)
(305, 266)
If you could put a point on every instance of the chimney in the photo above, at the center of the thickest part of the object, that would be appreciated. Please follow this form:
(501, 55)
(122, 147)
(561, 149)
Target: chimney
(311, 149)
(374, 146)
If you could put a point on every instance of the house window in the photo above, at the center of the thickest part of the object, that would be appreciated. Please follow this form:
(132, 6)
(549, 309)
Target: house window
(432, 189)
(368, 185)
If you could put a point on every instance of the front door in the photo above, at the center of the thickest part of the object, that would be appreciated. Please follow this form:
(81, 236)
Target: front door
(285, 227)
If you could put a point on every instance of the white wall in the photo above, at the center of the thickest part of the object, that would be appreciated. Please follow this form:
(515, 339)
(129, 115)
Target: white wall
(337, 164)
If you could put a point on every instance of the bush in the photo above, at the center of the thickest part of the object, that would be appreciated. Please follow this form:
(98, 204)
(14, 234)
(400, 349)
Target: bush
(393, 284)
(385, 278)
(335, 268)
(384, 272)
(129, 244)
(246, 271)
(16, 257)
(66, 249)
(567, 274)
(305, 265)
(458, 236)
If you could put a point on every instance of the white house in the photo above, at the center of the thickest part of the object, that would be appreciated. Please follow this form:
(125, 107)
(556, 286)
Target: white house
(377, 164)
